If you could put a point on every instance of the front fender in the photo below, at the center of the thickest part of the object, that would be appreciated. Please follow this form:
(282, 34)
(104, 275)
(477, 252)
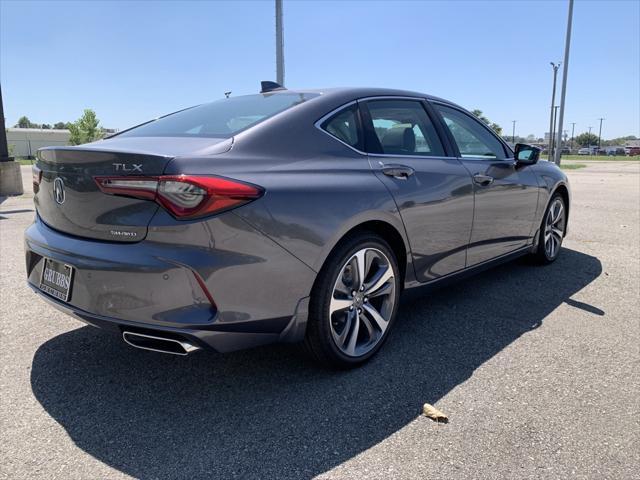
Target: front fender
(550, 179)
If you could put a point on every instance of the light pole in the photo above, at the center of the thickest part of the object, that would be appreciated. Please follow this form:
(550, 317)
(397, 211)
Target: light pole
(565, 71)
(553, 101)
(600, 134)
(513, 133)
(553, 134)
(573, 127)
(279, 45)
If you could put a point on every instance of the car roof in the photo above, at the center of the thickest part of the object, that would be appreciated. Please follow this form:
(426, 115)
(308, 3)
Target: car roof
(354, 93)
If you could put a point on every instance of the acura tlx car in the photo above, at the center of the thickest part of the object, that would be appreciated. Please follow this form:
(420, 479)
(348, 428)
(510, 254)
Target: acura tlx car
(284, 216)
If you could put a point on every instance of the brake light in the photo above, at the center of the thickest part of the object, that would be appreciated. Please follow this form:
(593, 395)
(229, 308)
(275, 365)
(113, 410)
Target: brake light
(184, 196)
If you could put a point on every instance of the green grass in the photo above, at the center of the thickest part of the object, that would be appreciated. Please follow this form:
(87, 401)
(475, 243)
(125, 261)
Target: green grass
(24, 161)
(572, 166)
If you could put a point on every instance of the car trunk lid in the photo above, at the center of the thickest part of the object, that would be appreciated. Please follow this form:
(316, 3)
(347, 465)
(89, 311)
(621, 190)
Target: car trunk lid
(69, 200)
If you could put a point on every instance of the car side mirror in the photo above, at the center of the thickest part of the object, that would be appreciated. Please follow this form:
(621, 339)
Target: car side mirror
(527, 154)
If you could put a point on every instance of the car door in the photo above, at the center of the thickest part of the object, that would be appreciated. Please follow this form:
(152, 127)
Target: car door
(506, 194)
(433, 191)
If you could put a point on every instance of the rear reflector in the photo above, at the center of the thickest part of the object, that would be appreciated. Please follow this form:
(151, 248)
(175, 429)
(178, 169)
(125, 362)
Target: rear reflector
(184, 196)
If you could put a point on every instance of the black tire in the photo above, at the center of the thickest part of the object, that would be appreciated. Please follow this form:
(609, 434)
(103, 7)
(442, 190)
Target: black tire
(541, 255)
(319, 340)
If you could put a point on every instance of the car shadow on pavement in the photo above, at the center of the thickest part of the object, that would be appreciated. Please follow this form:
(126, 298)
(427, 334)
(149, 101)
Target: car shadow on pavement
(270, 412)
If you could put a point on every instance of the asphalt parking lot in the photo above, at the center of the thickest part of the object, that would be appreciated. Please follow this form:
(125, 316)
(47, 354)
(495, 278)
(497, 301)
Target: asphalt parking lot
(536, 367)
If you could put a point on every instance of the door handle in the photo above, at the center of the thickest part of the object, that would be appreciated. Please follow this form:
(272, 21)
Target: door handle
(401, 172)
(483, 180)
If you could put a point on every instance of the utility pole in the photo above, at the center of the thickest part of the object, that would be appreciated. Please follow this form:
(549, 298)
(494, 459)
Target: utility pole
(600, 134)
(573, 127)
(553, 134)
(279, 44)
(553, 102)
(513, 134)
(565, 71)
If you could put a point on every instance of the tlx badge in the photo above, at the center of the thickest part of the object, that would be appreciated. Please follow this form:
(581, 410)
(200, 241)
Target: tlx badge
(123, 167)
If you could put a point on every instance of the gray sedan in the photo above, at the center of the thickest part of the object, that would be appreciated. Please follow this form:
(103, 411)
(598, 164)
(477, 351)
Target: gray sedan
(284, 216)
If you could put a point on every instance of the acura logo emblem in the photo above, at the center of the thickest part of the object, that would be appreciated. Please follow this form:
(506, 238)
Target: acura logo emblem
(58, 190)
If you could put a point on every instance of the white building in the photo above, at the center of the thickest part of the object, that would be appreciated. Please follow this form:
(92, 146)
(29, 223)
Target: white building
(25, 142)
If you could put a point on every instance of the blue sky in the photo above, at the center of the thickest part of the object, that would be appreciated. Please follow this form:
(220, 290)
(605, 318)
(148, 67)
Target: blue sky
(132, 61)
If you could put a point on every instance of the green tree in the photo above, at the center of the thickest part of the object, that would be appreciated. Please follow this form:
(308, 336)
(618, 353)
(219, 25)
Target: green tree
(619, 140)
(45, 126)
(24, 122)
(496, 128)
(60, 125)
(86, 129)
(585, 139)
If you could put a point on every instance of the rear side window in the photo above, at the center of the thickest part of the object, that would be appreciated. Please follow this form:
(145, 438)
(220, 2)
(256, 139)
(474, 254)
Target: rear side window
(345, 126)
(402, 127)
(472, 138)
(222, 118)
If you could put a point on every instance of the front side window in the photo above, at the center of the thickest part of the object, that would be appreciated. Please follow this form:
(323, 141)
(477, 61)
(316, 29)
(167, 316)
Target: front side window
(344, 126)
(402, 127)
(222, 118)
(472, 138)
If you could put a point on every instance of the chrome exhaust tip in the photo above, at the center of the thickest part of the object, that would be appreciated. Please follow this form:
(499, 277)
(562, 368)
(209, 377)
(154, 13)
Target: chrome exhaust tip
(159, 344)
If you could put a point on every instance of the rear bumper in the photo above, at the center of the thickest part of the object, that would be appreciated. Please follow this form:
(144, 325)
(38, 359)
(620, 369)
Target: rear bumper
(219, 297)
(212, 339)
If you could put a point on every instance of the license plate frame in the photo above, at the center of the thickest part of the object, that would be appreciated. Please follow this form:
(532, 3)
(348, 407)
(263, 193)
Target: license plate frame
(55, 276)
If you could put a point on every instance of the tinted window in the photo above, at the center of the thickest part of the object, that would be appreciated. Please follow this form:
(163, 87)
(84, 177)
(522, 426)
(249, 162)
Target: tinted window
(221, 118)
(472, 138)
(344, 126)
(403, 127)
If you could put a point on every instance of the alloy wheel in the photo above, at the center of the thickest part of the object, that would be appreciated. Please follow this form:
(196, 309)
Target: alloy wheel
(554, 228)
(362, 302)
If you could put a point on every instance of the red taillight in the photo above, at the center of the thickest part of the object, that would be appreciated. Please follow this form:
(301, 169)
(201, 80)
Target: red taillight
(185, 196)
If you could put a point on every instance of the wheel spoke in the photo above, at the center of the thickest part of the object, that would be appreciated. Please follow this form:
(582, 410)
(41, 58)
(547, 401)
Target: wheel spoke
(383, 277)
(341, 287)
(386, 289)
(361, 266)
(559, 209)
(557, 232)
(341, 339)
(367, 324)
(376, 317)
(339, 304)
(353, 336)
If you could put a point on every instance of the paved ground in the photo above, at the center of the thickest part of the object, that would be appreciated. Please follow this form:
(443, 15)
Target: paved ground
(537, 368)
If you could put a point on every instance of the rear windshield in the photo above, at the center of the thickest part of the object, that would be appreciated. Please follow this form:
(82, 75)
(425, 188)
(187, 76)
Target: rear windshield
(222, 118)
